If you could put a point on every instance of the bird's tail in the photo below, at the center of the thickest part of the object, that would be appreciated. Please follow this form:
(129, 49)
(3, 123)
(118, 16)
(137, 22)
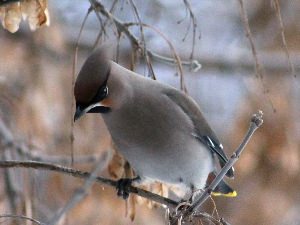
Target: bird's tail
(222, 189)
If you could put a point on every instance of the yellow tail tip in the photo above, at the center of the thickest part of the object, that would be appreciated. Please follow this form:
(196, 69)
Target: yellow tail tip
(230, 194)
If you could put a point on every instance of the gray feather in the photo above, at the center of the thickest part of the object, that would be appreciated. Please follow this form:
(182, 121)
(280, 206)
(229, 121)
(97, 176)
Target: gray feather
(202, 130)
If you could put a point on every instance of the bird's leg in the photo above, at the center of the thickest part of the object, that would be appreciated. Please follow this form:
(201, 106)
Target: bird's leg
(123, 185)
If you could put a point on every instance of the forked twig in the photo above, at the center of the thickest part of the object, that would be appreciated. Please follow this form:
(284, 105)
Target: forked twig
(173, 50)
(256, 122)
(143, 41)
(122, 27)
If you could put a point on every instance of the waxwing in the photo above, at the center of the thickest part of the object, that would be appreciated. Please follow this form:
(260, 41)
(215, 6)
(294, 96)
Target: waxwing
(159, 130)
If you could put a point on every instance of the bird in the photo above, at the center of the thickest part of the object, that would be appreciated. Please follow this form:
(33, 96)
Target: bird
(157, 128)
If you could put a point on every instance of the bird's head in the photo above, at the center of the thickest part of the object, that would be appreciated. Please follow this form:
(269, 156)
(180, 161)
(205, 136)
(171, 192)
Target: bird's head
(91, 87)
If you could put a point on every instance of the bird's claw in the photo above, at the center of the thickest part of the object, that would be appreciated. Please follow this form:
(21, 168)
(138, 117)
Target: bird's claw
(123, 187)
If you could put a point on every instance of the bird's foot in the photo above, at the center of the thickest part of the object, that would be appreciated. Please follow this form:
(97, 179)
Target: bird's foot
(123, 186)
(183, 204)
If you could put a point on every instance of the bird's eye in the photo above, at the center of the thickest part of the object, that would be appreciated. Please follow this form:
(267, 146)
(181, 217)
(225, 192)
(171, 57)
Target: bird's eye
(101, 94)
(105, 91)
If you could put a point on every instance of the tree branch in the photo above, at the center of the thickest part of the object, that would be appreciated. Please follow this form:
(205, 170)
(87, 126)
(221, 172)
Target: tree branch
(21, 217)
(250, 38)
(122, 28)
(256, 122)
(84, 175)
(278, 13)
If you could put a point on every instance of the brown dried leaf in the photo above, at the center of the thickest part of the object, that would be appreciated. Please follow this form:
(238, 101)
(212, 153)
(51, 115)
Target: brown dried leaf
(36, 12)
(116, 166)
(12, 17)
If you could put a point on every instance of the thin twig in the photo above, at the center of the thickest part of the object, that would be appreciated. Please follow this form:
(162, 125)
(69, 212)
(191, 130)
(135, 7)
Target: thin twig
(10, 188)
(173, 50)
(194, 65)
(145, 53)
(112, 8)
(21, 217)
(79, 194)
(73, 84)
(256, 122)
(206, 216)
(244, 17)
(80, 174)
(122, 27)
(258, 69)
(99, 18)
(278, 14)
(194, 22)
(6, 140)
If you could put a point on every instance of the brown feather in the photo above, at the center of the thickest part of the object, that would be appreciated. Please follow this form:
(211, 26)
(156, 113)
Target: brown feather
(92, 75)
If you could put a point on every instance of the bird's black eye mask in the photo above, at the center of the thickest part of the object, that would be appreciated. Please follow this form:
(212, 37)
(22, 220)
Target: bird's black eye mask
(100, 95)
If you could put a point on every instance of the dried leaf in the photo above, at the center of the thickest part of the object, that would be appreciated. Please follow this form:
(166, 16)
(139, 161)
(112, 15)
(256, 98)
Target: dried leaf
(12, 17)
(116, 166)
(36, 12)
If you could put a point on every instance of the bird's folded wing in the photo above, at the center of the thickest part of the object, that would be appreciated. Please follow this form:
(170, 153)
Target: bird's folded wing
(202, 130)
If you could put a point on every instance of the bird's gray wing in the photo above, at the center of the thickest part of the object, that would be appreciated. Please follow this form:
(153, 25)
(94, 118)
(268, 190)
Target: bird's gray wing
(202, 130)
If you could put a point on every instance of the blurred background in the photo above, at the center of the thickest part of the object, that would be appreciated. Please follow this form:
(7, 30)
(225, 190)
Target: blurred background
(36, 100)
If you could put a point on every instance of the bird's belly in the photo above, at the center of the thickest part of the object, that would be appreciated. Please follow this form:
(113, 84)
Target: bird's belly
(159, 144)
(184, 161)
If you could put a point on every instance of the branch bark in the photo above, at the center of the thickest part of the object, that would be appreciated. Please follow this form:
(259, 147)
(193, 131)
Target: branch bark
(84, 175)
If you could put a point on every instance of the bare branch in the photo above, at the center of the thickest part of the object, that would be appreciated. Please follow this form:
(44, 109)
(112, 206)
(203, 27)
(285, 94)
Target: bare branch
(84, 175)
(6, 140)
(10, 189)
(194, 65)
(123, 28)
(73, 84)
(20, 217)
(256, 122)
(258, 69)
(278, 14)
(101, 32)
(208, 217)
(99, 18)
(194, 22)
(98, 7)
(244, 17)
(145, 53)
(175, 54)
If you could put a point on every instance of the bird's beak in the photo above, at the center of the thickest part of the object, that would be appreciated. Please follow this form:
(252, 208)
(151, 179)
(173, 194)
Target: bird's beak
(79, 112)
